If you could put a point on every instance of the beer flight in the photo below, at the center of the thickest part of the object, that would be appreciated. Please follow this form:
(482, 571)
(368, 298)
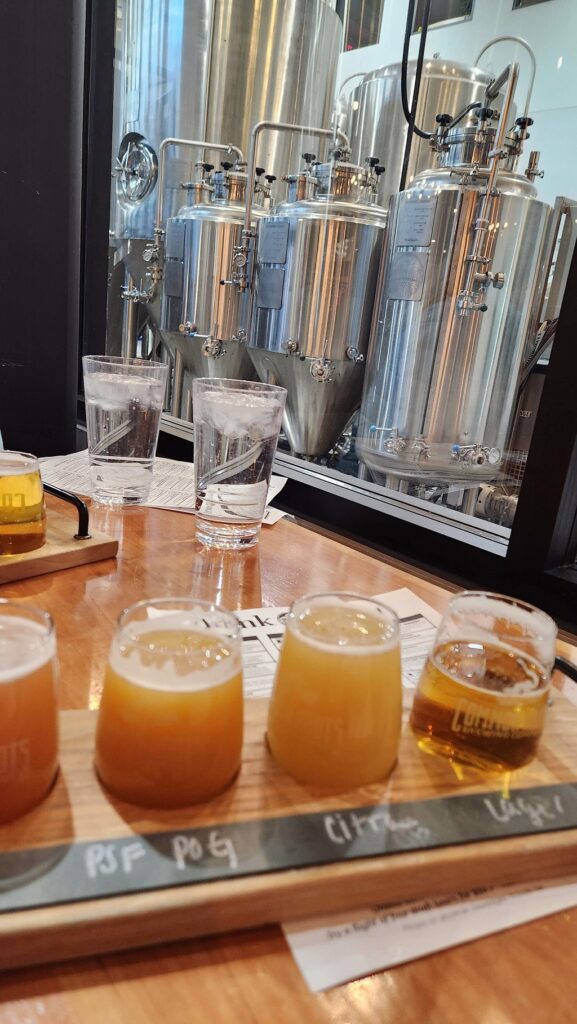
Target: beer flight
(170, 724)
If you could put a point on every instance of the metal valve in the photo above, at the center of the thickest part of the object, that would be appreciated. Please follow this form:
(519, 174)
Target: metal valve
(475, 454)
(212, 347)
(187, 328)
(354, 355)
(291, 347)
(322, 370)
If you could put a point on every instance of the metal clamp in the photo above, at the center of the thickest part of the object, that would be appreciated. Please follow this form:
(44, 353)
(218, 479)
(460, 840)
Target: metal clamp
(212, 347)
(187, 328)
(475, 454)
(291, 347)
(322, 370)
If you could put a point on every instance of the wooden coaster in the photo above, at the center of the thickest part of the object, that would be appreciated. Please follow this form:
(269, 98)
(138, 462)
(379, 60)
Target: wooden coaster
(60, 551)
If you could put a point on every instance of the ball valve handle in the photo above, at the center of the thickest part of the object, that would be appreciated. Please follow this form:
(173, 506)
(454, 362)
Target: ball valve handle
(379, 169)
(259, 171)
(270, 178)
(372, 161)
(226, 166)
(309, 157)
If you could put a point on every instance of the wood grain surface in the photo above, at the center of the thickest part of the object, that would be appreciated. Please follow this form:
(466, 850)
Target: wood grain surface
(523, 975)
(60, 551)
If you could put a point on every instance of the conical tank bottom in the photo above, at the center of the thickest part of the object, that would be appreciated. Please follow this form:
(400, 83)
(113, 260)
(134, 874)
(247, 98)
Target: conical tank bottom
(232, 362)
(316, 411)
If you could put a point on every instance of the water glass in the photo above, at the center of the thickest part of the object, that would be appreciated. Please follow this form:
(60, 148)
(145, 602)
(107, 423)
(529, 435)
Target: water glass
(236, 428)
(124, 400)
(170, 725)
(483, 693)
(28, 708)
(22, 512)
(335, 711)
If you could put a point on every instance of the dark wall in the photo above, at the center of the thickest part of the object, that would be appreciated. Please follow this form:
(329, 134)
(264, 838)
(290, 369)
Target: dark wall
(42, 50)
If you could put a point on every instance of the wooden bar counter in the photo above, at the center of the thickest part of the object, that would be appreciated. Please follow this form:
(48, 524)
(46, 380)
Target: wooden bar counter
(522, 975)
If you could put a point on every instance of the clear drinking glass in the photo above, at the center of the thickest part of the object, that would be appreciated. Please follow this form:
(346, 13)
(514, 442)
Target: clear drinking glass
(28, 708)
(236, 428)
(170, 723)
(22, 512)
(335, 711)
(124, 399)
(483, 692)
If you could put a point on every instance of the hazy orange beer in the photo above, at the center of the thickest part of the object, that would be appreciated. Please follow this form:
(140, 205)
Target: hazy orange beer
(171, 720)
(28, 708)
(335, 711)
(22, 514)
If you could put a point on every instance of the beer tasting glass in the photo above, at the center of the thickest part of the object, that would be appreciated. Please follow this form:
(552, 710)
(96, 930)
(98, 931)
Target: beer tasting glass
(335, 711)
(22, 513)
(170, 724)
(28, 708)
(124, 400)
(236, 428)
(483, 693)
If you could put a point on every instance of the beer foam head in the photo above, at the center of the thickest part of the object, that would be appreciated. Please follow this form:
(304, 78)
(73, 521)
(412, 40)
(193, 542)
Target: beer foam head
(174, 654)
(481, 616)
(335, 625)
(25, 646)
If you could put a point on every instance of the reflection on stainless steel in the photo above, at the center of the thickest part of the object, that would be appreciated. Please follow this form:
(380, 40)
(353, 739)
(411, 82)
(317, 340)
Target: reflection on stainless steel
(206, 69)
(460, 294)
(210, 69)
(316, 270)
(376, 124)
(203, 319)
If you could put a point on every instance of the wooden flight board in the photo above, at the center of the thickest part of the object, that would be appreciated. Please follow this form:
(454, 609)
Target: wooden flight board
(84, 873)
(61, 550)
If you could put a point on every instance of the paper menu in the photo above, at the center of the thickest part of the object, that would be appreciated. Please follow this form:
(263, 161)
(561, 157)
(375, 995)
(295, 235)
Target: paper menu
(337, 949)
(172, 483)
(263, 629)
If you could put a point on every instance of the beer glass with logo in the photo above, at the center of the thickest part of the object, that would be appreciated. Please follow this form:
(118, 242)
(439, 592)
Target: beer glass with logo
(28, 708)
(22, 513)
(335, 711)
(483, 693)
(170, 724)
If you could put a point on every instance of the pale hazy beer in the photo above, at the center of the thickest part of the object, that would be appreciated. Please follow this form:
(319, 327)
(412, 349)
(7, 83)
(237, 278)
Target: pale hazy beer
(483, 693)
(335, 711)
(22, 513)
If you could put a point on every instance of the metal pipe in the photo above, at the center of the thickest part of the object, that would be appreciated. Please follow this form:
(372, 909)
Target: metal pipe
(482, 222)
(349, 78)
(529, 49)
(222, 147)
(278, 126)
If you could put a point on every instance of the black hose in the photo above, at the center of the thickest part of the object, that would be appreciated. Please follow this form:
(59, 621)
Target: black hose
(405, 61)
(417, 86)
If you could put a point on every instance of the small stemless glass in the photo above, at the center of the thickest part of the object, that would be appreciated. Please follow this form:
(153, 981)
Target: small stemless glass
(28, 708)
(22, 512)
(335, 712)
(483, 693)
(170, 724)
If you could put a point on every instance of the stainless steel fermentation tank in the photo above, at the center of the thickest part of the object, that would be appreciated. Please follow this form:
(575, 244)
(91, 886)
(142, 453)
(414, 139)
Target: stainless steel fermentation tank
(206, 70)
(204, 320)
(317, 260)
(373, 117)
(457, 309)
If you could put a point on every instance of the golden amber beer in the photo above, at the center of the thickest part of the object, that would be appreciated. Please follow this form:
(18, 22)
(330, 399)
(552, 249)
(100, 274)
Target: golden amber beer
(28, 708)
(22, 514)
(483, 693)
(170, 724)
(335, 712)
